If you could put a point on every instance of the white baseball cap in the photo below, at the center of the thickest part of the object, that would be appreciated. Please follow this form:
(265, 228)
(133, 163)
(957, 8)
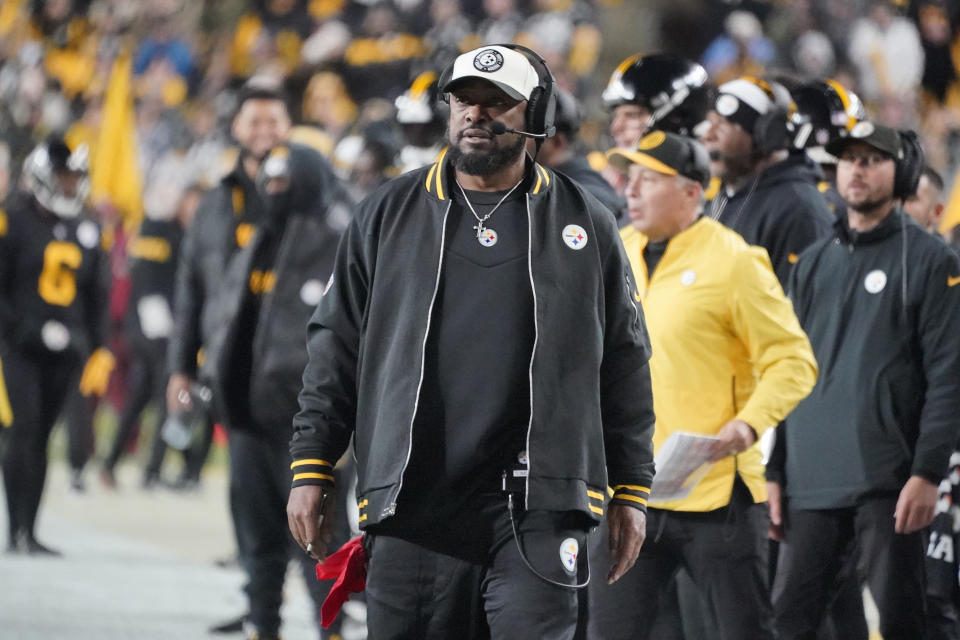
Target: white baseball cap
(507, 68)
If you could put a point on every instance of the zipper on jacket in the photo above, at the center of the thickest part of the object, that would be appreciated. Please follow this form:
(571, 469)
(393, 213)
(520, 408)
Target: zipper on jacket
(392, 508)
(533, 352)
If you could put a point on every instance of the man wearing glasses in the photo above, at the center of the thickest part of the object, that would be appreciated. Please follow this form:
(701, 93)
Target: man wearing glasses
(867, 448)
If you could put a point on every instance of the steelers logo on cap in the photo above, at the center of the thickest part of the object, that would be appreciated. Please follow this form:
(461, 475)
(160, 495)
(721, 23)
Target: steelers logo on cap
(727, 105)
(488, 61)
(651, 141)
(862, 129)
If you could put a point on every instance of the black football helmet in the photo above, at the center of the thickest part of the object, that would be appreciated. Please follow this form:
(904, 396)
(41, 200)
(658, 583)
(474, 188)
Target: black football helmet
(43, 168)
(674, 90)
(825, 110)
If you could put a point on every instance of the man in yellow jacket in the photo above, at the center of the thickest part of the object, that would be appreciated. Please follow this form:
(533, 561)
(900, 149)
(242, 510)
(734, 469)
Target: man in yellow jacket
(729, 361)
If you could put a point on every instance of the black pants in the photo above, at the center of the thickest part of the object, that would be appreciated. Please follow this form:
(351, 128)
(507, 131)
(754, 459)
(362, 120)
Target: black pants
(37, 387)
(260, 480)
(467, 579)
(724, 552)
(822, 547)
(146, 383)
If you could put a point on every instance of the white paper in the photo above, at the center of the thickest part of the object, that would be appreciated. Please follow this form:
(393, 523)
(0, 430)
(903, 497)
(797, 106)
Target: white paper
(681, 464)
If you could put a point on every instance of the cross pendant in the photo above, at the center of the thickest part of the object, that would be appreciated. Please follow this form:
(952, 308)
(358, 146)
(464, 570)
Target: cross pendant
(480, 228)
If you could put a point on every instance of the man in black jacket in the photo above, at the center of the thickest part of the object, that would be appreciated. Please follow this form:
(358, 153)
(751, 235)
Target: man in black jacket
(252, 267)
(481, 342)
(866, 450)
(767, 195)
(561, 153)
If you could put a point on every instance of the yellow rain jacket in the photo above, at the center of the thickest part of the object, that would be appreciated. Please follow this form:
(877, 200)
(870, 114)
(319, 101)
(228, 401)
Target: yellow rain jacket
(726, 344)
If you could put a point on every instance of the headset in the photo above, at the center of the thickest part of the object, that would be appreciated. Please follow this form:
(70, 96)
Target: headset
(696, 162)
(771, 131)
(909, 165)
(540, 117)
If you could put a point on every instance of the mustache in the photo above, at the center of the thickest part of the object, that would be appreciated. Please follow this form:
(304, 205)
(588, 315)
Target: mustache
(463, 133)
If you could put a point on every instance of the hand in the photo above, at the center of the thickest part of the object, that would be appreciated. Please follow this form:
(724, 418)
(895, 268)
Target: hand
(628, 530)
(96, 373)
(304, 510)
(735, 437)
(178, 393)
(916, 505)
(775, 504)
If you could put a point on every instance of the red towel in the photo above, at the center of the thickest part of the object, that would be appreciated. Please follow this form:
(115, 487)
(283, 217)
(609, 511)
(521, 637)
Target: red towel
(349, 566)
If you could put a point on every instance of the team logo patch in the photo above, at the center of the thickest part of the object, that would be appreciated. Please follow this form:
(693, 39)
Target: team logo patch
(862, 129)
(651, 141)
(488, 61)
(875, 281)
(727, 105)
(311, 292)
(55, 335)
(688, 277)
(488, 238)
(522, 457)
(569, 549)
(574, 236)
(87, 234)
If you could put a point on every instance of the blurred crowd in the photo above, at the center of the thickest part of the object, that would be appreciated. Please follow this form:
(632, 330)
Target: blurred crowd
(343, 63)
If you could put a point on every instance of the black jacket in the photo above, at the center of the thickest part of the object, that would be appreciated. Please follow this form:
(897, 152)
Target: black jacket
(779, 209)
(591, 408)
(308, 225)
(882, 310)
(225, 222)
(579, 169)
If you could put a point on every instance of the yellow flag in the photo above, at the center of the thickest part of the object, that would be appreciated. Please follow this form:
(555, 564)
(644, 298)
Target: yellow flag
(115, 168)
(951, 216)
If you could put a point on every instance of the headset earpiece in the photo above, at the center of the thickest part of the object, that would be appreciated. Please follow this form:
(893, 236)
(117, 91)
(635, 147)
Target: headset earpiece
(909, 165)
(442, 81)
(770, 132)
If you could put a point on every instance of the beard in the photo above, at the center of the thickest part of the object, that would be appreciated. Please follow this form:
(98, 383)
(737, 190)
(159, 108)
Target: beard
(868, 206)
(485, 163)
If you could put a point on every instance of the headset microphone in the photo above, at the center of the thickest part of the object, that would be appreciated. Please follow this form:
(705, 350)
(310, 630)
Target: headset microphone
(497, 128)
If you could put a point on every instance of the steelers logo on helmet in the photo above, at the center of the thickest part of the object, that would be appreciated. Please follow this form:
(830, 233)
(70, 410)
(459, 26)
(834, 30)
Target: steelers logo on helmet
(488, 61)
(862, 130)
(651, 140)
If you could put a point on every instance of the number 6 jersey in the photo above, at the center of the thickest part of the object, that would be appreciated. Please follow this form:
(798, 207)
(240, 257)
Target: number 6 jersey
(53, 281)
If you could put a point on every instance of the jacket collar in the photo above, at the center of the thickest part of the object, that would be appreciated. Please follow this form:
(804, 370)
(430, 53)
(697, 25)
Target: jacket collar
(438, 183)
(893, 223)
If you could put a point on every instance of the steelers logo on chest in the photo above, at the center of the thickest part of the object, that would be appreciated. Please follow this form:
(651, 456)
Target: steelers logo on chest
(875, 281)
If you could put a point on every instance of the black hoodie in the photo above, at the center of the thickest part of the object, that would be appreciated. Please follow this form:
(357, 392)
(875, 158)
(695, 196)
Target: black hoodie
(779, 209)
(882, 309)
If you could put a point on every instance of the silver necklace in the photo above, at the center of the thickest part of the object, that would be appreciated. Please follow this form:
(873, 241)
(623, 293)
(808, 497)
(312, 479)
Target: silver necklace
(485, 235)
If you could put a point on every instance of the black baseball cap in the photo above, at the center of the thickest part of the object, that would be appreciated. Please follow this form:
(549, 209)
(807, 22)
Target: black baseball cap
(877, 136)
(667, 153)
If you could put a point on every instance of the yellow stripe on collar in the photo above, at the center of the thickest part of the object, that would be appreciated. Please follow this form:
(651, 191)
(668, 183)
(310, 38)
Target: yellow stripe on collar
(543, 179)
(430, 177)
(440, 174)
